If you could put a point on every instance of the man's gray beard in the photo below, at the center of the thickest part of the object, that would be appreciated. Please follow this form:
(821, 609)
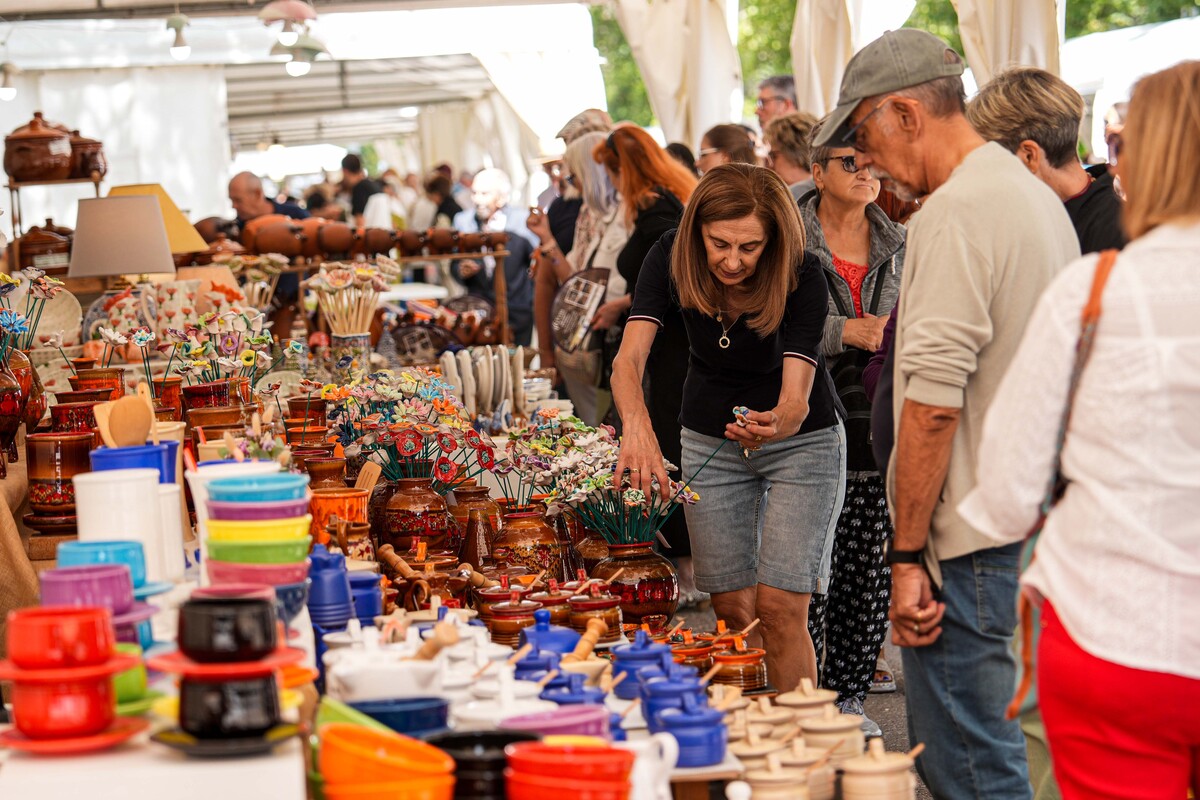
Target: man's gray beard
(900, 190)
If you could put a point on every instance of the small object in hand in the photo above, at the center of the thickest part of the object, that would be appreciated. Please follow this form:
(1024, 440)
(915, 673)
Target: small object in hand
(740, 412)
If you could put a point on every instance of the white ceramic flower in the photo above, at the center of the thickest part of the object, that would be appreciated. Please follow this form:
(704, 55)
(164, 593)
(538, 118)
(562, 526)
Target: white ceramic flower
(55, 340)
(113, 337)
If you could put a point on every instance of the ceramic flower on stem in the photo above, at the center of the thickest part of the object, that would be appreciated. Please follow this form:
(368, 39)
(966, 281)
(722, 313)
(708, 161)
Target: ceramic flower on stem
(13, 326)
(259, 275)
(411, 425)
(112, 339)
(292, 349)
(41, 289)
(56, 341)
(349, 293)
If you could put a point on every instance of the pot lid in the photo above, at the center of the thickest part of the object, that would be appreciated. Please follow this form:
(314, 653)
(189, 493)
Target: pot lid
(78, 139)
(831, 722)
(642, 648)
(551, 598)
(61, 230)
(587, 602)
(877, 760)
(37, 129)
(515, 607)
(752, 655)
(806, 695)
(36, 235)
(755, 750)
(501, 593)
(663, 687)
(692, 715)
(764, 777)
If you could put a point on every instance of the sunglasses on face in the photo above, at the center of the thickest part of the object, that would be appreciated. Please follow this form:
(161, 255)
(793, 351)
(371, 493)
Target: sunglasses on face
(848, 163)
(571, 179)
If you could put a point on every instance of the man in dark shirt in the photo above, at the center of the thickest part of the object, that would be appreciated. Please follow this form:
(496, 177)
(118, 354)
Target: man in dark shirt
(249, 201)
(1036, 115)
(355, 180)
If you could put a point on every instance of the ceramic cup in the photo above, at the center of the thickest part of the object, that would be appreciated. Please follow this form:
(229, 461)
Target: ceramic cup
(129, 553)
(55, 637)
(63, 709)
(347, 504)
(122, 504)
(228, 709)
(234, 629)
(103, 585)
(160, 457)
(53, 459)
(206, 395)
(130, 685)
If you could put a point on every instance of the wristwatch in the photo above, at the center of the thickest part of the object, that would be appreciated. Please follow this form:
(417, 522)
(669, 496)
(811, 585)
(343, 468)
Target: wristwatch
(893, 556)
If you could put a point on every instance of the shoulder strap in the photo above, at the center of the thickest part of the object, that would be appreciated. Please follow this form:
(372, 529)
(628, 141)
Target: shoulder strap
(837, 298)
(873, 309)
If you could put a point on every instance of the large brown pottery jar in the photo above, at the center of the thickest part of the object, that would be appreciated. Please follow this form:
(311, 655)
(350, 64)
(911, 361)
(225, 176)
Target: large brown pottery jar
(591, 549)
(35, 406)
(528, 540)
(465, 499)
(649, 584)
(416, 511)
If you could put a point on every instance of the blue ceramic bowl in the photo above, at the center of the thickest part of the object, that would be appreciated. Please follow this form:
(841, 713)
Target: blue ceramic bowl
(154, 456)
(290, 599)
(83, 554)
(412, 716)
(258, 488)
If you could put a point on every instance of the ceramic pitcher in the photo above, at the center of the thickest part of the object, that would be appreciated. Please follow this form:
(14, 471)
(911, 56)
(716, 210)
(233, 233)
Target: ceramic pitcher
(656, 757)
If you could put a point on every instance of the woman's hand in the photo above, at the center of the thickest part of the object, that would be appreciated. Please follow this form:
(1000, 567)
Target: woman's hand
(608, 314)
(764, 427)
(641, 456)
(539, 226)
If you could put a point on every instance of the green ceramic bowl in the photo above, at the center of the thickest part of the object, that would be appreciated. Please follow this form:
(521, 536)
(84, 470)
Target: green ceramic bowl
(284, 551)
(130, 685)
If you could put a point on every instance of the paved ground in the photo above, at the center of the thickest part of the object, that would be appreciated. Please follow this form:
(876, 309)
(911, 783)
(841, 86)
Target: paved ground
(885, 709)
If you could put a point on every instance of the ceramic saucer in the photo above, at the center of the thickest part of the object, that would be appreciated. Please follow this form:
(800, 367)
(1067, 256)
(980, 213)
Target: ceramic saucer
(139, 612)
(135, 708)
(151, 588)
(118, 663)
(176, 739)
(122, 729)
(178, 663)
(51, 526)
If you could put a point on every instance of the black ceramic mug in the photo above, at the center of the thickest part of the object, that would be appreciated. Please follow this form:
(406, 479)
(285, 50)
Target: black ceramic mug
(226, 629)
(228, 709)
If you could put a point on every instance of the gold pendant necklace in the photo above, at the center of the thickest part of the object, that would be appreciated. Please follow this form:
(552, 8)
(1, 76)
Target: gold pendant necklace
(724, 340)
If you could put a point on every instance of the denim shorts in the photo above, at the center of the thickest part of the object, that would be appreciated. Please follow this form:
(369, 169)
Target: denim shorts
(768, 517)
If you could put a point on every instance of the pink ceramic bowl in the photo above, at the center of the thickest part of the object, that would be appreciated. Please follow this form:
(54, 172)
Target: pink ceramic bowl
(579, 720)
(224, 591)
(242, 512)
(223, 572)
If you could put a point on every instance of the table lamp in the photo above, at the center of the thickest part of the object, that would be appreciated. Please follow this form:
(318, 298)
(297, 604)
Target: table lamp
(182, 236)
(119, 236)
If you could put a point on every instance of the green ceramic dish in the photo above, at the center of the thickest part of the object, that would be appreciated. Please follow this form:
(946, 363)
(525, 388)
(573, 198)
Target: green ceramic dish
(281, 552)
(135, 708)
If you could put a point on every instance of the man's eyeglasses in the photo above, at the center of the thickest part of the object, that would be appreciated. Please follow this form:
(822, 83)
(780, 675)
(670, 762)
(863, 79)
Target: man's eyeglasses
(848, 163)
(762, 101)
(850, 137)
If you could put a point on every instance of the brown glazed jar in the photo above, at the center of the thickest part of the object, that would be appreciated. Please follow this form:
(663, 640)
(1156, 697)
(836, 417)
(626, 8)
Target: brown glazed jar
(415, 512)
(693, 654)
(743, 668)
(53, 459)
(556, 602)
(601, 606)
(508, 619)
(465, 498)
(37, 151)
(487, 598)
(87, 157)
(648, 585)
(325, 473)
(527, 540)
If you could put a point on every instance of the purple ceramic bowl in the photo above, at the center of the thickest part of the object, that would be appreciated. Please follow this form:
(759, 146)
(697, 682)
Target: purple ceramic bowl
(242, 512)
(580, 720)
(108, 586)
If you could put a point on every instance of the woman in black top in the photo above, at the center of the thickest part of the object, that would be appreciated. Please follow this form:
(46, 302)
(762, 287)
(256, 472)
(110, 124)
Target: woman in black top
(653, 188)
(753, 306)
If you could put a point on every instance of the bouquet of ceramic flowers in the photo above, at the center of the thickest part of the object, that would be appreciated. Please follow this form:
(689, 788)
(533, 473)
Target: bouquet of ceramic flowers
(233, 344)
(411, 424)
(580, 477)
(13, 328)
(259, 275)
(349, 293)
(35, 288)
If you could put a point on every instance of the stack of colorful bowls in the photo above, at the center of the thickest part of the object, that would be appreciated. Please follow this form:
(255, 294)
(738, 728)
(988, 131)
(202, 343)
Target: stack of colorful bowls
(228, 658)
(479, 761)
(62, 667)
(359, 763)
(107, 586)
(258, 532)
(128, 553)
(537, 771)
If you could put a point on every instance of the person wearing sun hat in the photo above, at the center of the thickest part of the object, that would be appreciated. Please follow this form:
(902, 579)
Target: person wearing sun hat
(988, 240)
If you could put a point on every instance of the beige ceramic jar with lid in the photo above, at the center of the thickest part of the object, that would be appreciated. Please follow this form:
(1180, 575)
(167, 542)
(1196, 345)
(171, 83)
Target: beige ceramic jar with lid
(773, 781)
(739, 726)
(806, 700)
(821, 777)
(754, 749)
(761, 711)
(840, 732)
(878, 775)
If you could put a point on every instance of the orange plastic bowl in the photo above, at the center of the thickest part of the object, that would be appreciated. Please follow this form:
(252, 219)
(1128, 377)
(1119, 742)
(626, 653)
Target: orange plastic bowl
(432, 787)
(351, 754)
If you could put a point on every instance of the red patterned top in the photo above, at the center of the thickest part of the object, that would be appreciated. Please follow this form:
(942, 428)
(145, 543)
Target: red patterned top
(854, 274)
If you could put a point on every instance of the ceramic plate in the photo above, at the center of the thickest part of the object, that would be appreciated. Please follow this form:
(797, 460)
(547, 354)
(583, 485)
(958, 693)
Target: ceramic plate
(450, 374)
(63, 313)
(517, 369)
(122, 729)
(498, 364)
(484, 377)
(152, 588)
(135, 708)
(50, 525)
(225, 748)
(467, 373)
(179, 663)
(118, 663)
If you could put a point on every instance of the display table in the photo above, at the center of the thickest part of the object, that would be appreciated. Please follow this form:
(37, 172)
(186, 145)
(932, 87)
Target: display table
(18, 581)
(142, 770)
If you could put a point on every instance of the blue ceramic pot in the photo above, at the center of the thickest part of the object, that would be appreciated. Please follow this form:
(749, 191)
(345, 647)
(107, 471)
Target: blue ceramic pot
(700, 732)
(635, 657)
(367, 595)
(659, 695)
(574, 693)
(545, 636)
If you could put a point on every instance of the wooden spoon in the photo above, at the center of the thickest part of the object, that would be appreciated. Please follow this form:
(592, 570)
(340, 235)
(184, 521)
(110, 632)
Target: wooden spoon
(368, 476)
(129, 421)
(102, 412)
(596, 628)
(444, 635)
(143, 391)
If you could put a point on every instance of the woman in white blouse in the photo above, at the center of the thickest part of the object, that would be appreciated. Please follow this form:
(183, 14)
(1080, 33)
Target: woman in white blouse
(1117, 567)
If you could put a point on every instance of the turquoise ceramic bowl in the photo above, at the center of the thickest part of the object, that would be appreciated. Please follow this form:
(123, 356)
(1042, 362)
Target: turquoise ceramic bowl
(258, 488)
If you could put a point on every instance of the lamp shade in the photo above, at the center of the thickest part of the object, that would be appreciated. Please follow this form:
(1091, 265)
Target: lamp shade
(182, 236)
(119, 236)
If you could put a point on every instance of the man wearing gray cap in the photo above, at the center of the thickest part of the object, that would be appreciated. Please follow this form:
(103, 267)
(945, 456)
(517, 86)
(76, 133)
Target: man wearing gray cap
(987, 241)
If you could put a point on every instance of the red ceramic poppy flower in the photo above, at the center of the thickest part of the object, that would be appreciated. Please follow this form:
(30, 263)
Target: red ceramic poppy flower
(444, 469)
(409, 442)
(486, 457)
(425, 429)
(472, 437)
(447, 443)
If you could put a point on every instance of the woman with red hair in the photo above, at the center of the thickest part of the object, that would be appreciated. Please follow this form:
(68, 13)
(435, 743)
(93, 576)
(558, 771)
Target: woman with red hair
(653, 188)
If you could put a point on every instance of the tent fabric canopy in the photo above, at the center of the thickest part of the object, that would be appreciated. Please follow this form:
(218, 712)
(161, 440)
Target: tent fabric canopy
(998, 34)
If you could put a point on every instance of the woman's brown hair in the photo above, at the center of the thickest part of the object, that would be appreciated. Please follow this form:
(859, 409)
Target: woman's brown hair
(1160, 156)
(640, 165)
(736, 191)
(732, 140)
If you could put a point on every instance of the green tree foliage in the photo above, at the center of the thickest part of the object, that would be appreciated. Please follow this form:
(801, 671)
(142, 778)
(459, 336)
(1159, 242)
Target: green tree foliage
(764, 39)
(627, 98)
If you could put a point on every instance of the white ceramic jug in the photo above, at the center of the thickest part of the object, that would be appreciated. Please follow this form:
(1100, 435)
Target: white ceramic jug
(656, 757)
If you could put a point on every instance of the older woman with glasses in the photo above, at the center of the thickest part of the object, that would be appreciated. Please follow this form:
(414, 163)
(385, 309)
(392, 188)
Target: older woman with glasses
(861, 252)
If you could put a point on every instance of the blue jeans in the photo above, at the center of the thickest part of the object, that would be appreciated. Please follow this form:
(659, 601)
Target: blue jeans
(767, 517)
(958, 687)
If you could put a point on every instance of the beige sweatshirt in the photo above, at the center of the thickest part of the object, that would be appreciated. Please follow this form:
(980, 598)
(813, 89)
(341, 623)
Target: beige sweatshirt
(981, 250)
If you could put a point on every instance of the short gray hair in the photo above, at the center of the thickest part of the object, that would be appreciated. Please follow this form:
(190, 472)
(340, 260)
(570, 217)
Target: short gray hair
(782, 85)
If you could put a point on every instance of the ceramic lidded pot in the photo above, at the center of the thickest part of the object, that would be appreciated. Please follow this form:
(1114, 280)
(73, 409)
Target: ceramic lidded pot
(633, 658)
(510, 617)
(556, 602)
(487, 597)
(87, 157)
(544, 636)
(648, 584)
(415, 512)
(37, 151)
(602, 606)
(53, 459)
(745, 668)
(878, 774)
(699, 730)
(831, 729)
(806, 700)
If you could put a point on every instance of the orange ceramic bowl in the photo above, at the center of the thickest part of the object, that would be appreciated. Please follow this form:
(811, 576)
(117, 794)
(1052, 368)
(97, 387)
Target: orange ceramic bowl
(432, 787)
(351, 754)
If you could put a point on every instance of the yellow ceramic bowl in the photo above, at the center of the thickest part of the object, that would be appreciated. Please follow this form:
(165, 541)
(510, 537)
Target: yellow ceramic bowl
(263, 530)
(574, 741)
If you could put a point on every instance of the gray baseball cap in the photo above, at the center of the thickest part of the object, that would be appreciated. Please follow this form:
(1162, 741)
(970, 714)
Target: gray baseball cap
(894, 61)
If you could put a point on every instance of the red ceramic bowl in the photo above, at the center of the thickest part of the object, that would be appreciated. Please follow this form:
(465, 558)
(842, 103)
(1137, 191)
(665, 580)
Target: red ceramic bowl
(59, 637)
(273, 509)
(539, 787)
(221, 572)
(585, 763)
(64, 709)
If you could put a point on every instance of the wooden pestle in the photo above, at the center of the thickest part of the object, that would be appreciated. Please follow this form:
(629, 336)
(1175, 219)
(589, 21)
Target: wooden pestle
(587, 643)
(478, 579)
(444, 635)
(393, 561)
